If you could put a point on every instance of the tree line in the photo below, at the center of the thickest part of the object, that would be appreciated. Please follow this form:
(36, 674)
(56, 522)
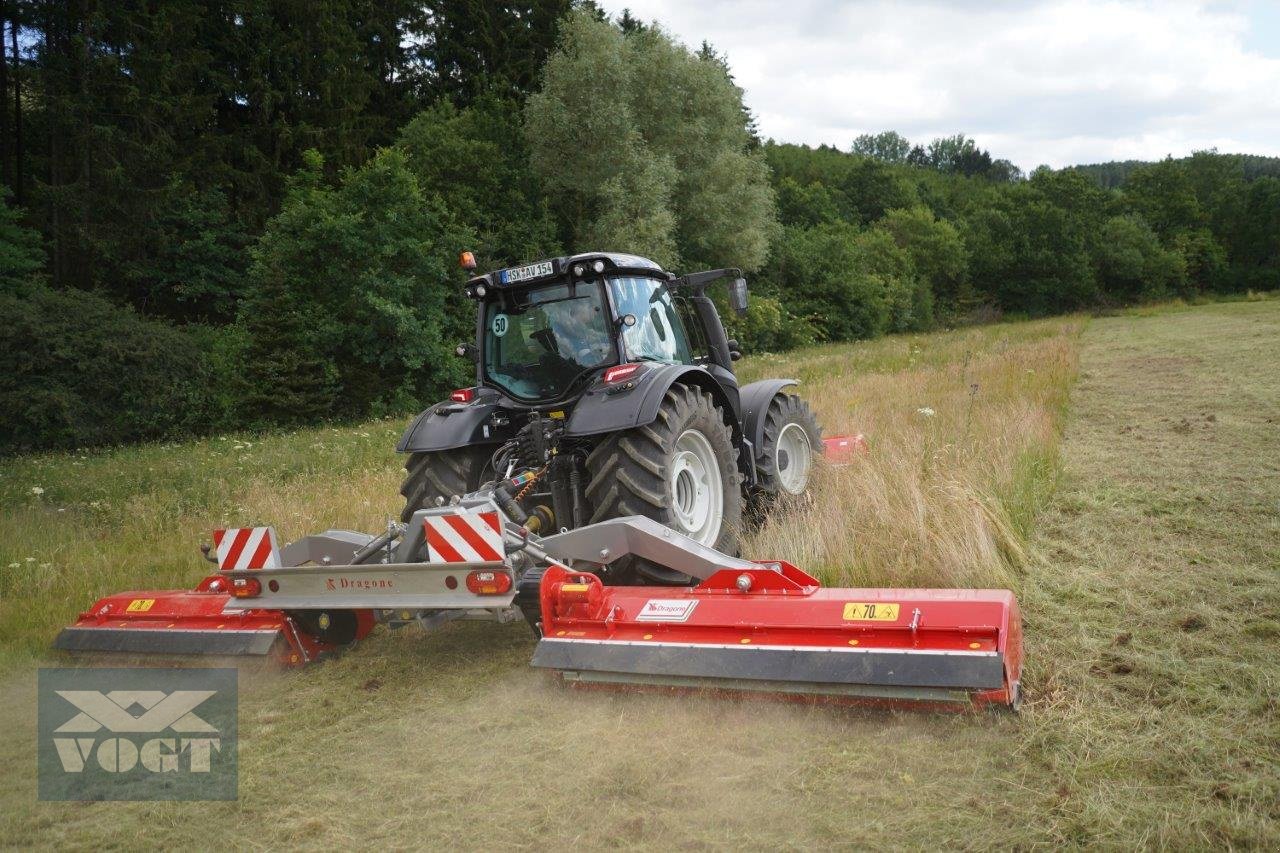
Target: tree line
(249, 213)
(1112, 175)
(933, 242)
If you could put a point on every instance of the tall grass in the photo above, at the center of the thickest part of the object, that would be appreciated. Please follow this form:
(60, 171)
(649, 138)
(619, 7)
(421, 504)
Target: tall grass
(962, 430)
(76, 526)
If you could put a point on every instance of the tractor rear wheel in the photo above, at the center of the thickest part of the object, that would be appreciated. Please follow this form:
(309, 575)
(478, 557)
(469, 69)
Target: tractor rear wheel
(442, 474)
(785, 460)
(681, 470)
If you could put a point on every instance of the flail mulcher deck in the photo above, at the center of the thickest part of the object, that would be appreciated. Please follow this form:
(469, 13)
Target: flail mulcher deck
(773, 630)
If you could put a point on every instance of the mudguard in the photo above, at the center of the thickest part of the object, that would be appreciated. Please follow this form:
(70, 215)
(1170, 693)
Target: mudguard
(447, 425)
(604, 408)
(755, 404)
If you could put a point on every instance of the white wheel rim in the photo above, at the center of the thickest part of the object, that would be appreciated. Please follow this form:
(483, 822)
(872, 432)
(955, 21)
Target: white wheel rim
(695, 488)
(795, 458)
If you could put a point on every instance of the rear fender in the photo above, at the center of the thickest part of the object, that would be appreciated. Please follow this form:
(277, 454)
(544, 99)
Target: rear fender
(756, 398)
(604, 409)
(448, 425)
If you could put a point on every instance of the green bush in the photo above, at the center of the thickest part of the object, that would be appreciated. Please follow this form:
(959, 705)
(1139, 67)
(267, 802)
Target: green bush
(224, 350)
(873, 188)
(826, 276)
(766, 327)
(1205, 261)
(937, 252)
(354, 301)
(907, 294)
(78, 370)
(1028, 254)
(1132, 265)
(1255, 245)
(21, 256)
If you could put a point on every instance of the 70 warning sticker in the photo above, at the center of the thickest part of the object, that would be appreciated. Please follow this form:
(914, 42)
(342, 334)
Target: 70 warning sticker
(870, 611)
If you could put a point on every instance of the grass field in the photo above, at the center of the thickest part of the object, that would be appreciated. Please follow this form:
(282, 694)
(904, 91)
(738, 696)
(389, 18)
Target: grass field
(1135, 510)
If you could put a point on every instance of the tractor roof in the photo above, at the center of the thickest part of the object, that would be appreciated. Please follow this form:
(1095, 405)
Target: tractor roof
(555, 267)
(618, 259)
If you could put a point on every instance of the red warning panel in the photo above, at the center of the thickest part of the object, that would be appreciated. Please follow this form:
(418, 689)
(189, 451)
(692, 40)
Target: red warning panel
(247, 548)
(471, 537)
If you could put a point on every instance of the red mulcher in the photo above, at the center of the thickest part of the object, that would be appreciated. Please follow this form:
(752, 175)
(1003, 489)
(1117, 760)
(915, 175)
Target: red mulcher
(764, 629)
(774, 631)
(201, 621)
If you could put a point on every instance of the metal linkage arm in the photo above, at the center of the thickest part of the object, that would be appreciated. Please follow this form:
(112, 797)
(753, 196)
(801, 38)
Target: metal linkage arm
(332, 546)
(642, 537)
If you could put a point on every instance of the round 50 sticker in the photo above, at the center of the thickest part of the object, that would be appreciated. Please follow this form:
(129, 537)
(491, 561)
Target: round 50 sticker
(500, 325)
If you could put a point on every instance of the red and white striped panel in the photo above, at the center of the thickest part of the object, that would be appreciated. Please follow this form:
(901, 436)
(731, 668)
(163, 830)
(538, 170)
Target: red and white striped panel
(247, 548)
(471, 537)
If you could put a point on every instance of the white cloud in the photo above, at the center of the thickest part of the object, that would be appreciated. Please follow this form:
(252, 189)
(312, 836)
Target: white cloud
(1044, 82)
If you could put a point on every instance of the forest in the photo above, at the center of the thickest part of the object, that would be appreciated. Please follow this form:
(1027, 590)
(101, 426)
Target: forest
(233, 215)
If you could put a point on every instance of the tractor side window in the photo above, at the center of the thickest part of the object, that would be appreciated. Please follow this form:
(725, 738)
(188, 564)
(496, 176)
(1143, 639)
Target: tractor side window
(658, 333)
(698, 345)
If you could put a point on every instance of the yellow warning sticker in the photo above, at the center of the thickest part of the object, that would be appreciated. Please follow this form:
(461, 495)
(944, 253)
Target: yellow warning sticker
(140, 605)
(870, 611)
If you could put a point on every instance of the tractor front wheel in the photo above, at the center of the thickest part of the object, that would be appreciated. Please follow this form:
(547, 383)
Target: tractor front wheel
(785, 460)
(681, 470)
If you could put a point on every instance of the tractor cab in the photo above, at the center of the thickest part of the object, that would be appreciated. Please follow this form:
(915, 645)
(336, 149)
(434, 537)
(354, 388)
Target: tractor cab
(604, 388)
(547, 330)
(539, 342)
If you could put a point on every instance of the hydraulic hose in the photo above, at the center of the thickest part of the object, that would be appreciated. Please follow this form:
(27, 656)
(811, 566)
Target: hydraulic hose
(377, 543)
(509, 505)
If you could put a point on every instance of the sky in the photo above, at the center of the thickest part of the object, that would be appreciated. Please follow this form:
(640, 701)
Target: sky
(1036, 82)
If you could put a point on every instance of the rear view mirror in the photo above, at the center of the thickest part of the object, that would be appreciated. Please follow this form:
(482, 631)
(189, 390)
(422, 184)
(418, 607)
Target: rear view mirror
(738, 295)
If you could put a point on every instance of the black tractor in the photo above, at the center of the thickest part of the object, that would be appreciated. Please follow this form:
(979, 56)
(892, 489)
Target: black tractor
(605, 388)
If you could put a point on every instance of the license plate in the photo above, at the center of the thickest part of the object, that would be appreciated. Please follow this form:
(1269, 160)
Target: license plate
(866, 611)
(519, 274)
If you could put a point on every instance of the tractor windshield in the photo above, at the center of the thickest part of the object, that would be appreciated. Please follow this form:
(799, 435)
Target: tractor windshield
(538, 341)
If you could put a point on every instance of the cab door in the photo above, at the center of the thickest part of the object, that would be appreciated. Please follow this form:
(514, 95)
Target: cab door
(661, 333)
(658, 333)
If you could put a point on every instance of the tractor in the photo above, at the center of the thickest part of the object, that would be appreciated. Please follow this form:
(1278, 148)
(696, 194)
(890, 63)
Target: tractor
(605, 449)
(604, 388)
